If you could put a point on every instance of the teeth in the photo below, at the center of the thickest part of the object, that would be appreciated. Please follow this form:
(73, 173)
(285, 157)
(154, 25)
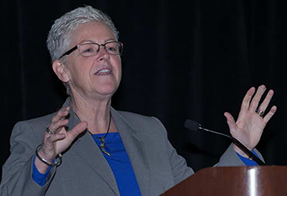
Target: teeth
(105, 71)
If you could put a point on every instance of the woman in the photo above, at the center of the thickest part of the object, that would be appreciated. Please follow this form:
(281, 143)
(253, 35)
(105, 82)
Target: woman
(57, 154)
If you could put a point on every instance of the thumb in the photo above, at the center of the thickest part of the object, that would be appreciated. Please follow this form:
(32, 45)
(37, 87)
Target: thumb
(78, 129)
(230, 121)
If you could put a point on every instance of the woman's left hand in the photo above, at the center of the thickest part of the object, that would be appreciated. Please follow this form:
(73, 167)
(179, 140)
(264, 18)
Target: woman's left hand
(251, 120)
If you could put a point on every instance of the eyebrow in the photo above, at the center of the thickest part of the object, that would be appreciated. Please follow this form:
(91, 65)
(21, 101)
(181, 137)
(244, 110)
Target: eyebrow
(91, 41)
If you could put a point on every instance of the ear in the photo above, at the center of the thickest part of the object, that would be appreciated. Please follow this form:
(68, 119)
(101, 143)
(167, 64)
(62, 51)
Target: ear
(60, 70)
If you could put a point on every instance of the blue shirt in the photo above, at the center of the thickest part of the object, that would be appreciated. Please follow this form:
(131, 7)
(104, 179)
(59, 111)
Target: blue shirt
(120, 164)
(248, 162)
(38, 177)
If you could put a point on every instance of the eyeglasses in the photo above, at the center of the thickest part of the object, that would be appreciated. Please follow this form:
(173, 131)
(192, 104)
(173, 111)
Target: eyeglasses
(91, 49)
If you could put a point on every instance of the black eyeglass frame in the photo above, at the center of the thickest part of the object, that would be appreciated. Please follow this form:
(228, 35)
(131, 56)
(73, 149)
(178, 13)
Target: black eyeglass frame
(104, 45)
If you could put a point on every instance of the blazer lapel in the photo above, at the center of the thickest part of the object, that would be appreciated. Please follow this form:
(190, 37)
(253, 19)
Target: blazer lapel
(136, 151)
(86, 148)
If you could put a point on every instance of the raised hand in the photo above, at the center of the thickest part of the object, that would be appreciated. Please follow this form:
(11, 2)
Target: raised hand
(57, 139)
(251, 120)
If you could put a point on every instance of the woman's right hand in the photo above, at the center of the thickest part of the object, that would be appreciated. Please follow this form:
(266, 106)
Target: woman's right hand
(58, 139)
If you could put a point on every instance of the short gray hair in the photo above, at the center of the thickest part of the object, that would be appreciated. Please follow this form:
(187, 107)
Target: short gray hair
(60, 34)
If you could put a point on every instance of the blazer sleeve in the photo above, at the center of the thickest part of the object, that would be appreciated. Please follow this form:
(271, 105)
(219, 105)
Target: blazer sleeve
(17, 171)
(178, 164)
(230, 158)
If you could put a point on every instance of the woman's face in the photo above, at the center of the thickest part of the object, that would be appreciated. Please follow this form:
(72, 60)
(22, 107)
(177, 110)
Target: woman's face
(96, 76)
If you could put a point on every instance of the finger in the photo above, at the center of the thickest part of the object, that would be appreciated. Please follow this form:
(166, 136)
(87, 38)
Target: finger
(60, 116)
(270, 114)
(53, 138)
(254, 103)
(246, 100)
(266, 101)
(79, 128)
(56, 127)
(62, 113)
(230, 121)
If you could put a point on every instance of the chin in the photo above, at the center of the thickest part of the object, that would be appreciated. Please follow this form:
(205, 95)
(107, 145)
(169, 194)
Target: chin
(107, 90)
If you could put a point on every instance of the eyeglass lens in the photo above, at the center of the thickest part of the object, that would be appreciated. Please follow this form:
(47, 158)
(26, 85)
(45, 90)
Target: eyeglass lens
(90, 49)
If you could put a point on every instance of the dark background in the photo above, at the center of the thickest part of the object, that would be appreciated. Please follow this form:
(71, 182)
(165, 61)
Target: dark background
(182, 59)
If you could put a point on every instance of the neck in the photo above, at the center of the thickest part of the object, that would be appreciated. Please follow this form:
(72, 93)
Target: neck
(95, 113)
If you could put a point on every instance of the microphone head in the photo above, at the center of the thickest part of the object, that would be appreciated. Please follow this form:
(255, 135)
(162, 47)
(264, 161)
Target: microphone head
(192, 125)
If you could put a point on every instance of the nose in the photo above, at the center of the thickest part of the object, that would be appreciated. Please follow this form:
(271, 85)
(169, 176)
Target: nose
(102, 53)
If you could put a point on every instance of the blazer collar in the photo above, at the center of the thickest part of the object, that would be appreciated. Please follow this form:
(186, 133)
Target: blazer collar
(134, 146)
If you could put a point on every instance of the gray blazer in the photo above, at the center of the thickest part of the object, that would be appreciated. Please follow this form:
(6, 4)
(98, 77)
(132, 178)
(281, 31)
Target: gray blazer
(84, 170)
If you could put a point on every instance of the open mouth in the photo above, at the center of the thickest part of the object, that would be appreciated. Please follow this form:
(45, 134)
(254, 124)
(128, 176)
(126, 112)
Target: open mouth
(104, 71)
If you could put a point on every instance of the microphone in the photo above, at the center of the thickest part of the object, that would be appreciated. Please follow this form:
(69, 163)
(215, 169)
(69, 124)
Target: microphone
(194, 126)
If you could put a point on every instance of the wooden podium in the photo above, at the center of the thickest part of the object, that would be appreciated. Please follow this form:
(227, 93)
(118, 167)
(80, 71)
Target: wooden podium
(239, 181)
